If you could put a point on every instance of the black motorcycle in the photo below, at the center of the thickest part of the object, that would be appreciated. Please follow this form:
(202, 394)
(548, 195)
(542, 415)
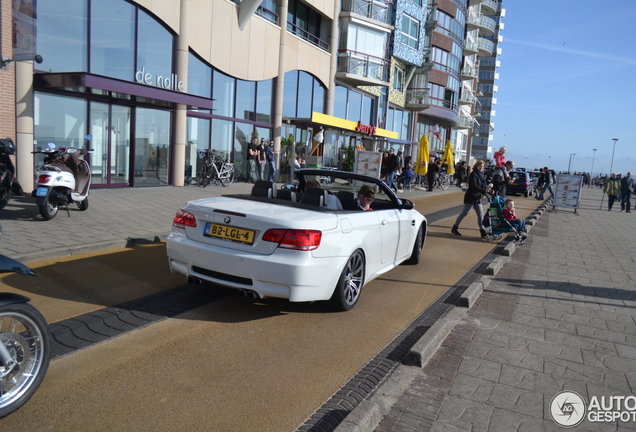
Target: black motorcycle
(25, 347)
(8, 182)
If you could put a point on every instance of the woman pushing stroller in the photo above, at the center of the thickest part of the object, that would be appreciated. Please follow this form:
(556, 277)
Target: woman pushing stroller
(477, 187)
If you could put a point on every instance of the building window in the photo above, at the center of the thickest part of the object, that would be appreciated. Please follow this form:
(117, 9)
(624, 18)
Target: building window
(410, 31)
(113, 39)
(398, 79)
(199, 77)
(63, 35)
(223, 92)
(302, 94)
(305, 23)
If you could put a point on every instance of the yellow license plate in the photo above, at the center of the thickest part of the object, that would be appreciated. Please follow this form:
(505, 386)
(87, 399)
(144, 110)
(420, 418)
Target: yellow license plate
(229, 233)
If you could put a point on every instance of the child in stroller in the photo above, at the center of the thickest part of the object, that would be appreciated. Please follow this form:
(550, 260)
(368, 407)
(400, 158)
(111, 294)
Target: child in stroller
(501, 218)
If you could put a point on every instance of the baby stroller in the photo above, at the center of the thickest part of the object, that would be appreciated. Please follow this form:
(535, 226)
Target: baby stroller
(496, 224)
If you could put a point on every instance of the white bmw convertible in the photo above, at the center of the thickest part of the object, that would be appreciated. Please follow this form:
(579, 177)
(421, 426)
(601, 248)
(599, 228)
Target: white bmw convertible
(323, 238)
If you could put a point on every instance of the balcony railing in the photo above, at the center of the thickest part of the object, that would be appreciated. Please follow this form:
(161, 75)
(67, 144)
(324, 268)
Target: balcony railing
(267, 14)
(363, 65)
(489, 7)
(471, 47)
(303, 34)
(417, 99)
(469, 71)
(378, 10)
(466, 97)
(486, 47)
(464, 121)
(486, 25)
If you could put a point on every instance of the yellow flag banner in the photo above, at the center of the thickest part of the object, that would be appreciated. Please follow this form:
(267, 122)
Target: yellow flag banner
(449, 157)
(422, 157)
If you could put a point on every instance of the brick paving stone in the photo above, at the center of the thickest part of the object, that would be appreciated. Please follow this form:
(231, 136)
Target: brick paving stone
(559, 315)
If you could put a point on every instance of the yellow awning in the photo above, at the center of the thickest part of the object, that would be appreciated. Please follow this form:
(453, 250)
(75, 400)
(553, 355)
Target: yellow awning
(328, 120)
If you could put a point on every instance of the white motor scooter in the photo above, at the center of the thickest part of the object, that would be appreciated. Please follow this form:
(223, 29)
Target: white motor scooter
(62, 179)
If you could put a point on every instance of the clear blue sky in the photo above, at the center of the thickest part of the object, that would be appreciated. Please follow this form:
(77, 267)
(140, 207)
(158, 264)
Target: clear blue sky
(567, 84)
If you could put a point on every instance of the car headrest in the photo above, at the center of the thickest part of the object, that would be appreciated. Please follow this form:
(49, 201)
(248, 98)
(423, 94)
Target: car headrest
(286, 195)
(348, 200)
(314, 196)
(265, 189)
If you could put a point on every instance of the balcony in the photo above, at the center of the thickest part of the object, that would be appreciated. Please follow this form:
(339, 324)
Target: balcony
(485, 25)
(467, 98)
(469, 72)
(360, 69)
(471, 48)
(489, 7)
(378, 10)
(416, 99)
(464, 121)
(486, 47)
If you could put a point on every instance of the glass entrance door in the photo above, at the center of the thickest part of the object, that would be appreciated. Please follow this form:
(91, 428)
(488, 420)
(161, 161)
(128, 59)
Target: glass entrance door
(110, 128)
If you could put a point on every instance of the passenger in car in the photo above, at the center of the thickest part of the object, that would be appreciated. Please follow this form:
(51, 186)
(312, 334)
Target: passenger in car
(366, 195)
(332, 201)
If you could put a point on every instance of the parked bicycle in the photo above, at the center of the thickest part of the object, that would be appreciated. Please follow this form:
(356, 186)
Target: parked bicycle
(443, 181)
(214, 169)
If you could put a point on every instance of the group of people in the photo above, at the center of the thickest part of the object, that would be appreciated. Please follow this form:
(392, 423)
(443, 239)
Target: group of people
(619, 188)
(261, 160)
(396, 170)
(478, 187)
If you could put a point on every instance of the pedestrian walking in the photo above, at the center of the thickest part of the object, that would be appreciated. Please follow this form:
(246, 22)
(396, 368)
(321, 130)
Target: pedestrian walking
(612, 188)
(627, 187)
(501, 177)
(477, 187)
(548, 181)
(432, 173)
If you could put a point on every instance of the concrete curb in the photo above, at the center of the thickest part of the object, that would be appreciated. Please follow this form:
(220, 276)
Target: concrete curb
(369, 413)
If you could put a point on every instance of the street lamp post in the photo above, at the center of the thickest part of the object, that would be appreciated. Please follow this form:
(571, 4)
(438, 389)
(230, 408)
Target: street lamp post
(570, 164)
(592, 170)
(613, 149)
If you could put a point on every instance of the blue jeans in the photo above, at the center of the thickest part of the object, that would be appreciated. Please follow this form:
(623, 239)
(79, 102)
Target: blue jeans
(272, 170)
(392, 180)
(549, 187)
(519, 223)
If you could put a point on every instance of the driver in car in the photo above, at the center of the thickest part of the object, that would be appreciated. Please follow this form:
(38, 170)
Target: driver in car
(366, 195)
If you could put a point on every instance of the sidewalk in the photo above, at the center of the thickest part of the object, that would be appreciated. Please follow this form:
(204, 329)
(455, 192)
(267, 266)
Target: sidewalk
(116, 218)
(560, 315)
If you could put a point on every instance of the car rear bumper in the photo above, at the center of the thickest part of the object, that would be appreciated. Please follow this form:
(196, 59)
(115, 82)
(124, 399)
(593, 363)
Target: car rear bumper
(293, 275)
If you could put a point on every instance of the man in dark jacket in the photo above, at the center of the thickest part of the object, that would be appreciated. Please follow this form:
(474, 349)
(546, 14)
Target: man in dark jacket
(432, 173)
(627, 186)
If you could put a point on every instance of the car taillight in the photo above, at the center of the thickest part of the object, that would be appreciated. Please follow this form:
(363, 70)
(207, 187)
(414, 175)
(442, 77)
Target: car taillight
(44, 178)
(304, 240)
(184, 218)
(525, 184)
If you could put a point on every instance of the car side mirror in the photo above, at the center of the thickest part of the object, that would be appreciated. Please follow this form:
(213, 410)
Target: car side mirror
(407, 204)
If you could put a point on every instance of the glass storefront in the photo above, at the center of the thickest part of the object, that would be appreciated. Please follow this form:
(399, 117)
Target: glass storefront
(59, 120)
(152, 147)
(132, 132)
(110, 129)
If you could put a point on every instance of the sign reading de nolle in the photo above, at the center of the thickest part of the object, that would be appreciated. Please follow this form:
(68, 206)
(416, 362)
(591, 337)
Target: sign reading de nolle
(367, 129)
(170, 83)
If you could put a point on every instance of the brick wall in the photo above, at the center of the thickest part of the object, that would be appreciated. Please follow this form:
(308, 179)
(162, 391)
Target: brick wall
(7, 77)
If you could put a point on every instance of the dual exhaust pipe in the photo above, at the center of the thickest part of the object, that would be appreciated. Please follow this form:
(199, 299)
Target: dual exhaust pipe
(243, 293)
(249, 294)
